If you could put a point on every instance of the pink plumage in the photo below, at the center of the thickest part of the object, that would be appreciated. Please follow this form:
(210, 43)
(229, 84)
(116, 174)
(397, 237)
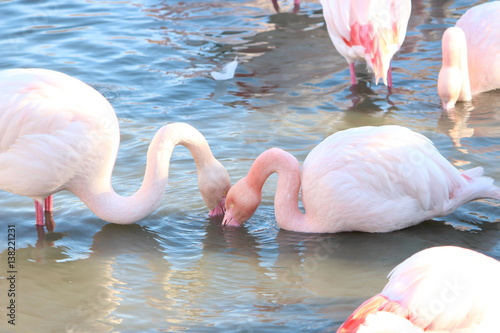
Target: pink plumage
(440, 289)
(471, 55)
(372, 179)
(370, 30)
(60, 134)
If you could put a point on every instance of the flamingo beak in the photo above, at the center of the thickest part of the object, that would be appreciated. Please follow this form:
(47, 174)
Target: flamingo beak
(229, 219)
(219, 209)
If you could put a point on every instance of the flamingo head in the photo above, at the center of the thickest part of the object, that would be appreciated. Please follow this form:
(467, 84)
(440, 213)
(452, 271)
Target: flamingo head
(241, 203)
(214, 183)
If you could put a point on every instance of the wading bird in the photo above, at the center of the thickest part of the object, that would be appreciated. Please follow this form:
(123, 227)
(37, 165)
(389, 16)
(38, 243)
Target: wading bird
(58, 133)
(471, 55)
(372, 179)
(370, 30)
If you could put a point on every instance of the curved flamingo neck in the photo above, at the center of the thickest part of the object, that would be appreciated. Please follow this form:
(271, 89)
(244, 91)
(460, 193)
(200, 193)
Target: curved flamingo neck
(453, 81)
(286, 202)
(101, 198)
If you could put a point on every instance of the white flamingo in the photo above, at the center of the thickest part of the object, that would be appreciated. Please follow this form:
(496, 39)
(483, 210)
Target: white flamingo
(58, 133)
(370, 30)
(440, 289)
(471, 55)
(373, 179)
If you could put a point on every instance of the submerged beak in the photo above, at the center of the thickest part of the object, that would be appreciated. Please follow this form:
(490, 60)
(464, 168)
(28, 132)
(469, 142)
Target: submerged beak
(219, 209)
(229, 219)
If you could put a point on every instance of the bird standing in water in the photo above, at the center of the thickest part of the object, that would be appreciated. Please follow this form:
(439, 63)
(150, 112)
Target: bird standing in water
(370, 30)
(58, 134)
(371, 179)
(471, 55)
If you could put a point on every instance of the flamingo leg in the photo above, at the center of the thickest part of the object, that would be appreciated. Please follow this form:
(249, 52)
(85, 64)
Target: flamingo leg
(41, 241)
(48, 203)
(353, 73)
(39, 213)
(40, 231)
(296, 6)
(50, 224)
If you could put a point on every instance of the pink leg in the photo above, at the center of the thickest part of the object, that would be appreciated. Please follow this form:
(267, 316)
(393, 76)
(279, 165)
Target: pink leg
(353, 73)
(48, 204)
(40, 232)
(296, 6)
(39, 213)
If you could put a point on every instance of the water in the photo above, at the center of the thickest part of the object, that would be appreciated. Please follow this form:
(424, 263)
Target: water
(177, 270)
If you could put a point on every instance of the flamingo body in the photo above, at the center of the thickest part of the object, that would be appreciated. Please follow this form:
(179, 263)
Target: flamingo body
(58, 133)
(471, 55)
(370, 30)
(440, 289)
(372, 179)
(50, 123)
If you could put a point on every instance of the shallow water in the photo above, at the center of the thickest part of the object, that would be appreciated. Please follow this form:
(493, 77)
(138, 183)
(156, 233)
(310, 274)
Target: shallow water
(177, 270)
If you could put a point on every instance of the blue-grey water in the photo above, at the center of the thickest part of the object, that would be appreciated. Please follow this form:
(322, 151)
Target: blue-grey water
(177, 270)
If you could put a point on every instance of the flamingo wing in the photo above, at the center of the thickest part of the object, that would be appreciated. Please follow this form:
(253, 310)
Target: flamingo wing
(47, 137)
(378, 179)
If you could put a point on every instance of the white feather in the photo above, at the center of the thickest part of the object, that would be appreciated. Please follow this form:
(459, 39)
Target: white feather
(227, 72)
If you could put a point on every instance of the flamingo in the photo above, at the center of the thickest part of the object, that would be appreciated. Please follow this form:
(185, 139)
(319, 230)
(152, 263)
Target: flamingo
(372, 179)
(439, 289)
(58, 134)
(371, 30)
(471, 55)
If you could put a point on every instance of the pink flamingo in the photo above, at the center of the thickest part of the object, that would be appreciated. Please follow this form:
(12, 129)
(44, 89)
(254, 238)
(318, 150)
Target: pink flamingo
(440, 289)
(371, 30)
(471, 55)
(373, 179)
(60, 134)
